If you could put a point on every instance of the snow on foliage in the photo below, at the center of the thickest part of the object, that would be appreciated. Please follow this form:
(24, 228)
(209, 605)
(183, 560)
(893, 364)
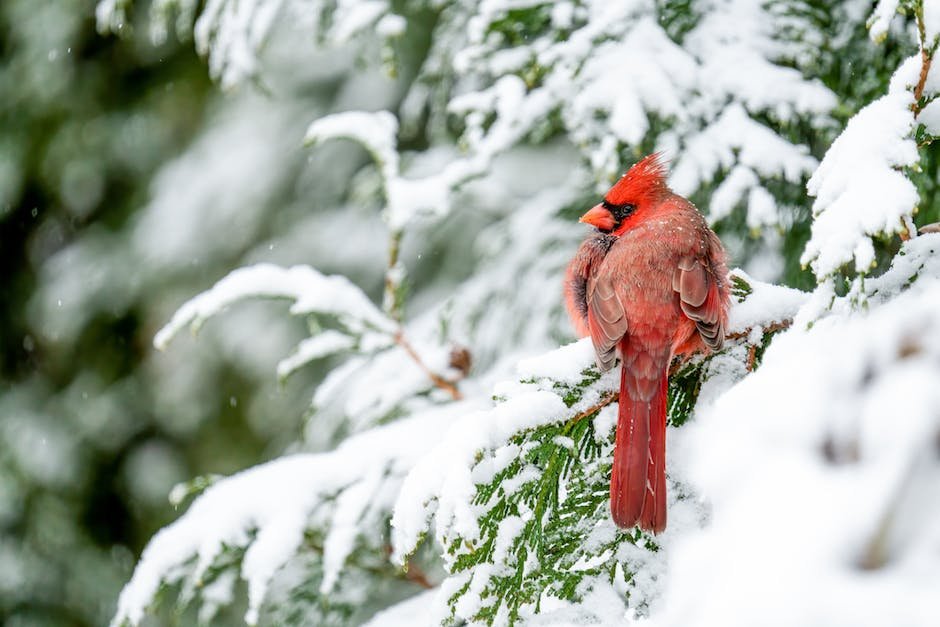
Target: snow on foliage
(311, 292)
(859, 188)
(518, 493)
(325, 343)
(787, 454)
(841, 490)
(378, 380)
(375, 131)
(881, 18)
(232, 34)
(265, 515)
(612, 72)
(407, 198)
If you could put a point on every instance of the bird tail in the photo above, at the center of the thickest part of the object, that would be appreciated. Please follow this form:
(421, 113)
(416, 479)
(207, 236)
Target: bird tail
(638, 477)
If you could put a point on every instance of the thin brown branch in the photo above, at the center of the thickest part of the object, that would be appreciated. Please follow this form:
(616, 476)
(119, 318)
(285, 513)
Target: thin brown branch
(925, 60)
(416, 575)
(412, 572)
(604, 402)
(751, 357)
(393, 307)
(437, 379)
(905, 232)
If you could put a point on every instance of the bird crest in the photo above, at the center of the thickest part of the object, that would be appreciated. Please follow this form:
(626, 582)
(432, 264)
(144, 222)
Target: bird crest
(642, 181)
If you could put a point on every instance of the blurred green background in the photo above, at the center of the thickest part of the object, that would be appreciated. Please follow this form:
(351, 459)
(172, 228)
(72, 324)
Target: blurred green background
(129, 183)
(85, 122)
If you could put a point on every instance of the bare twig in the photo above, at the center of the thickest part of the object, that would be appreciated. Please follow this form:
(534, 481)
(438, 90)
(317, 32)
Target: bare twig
(393, 307)
(412, 572)
(416, 575)
(926, 58)
(604, 402)
(438, 380)
(751, 357)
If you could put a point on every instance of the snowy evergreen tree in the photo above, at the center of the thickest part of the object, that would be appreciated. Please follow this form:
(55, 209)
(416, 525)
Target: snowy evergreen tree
(452, 444)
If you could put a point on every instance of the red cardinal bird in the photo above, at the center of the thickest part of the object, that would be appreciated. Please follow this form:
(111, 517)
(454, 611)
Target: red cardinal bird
(652, 283)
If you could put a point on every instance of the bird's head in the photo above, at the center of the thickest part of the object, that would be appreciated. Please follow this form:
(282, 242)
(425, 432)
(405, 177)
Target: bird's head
(635, 192)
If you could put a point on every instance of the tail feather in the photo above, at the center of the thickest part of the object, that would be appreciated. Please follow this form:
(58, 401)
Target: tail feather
(653, 517)
(631, 448)
(638, 476)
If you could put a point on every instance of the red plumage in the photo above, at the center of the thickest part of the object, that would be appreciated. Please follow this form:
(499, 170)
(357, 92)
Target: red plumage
(651, 284)
(644, 180)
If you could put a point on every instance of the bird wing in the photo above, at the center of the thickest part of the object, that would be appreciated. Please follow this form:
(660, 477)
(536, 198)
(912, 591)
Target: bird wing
(607, 320)
(700, 298)
(582, 267)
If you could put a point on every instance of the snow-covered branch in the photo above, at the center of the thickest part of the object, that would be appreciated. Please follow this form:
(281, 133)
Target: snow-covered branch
(310, 291)
(518, 493)
(255, 522)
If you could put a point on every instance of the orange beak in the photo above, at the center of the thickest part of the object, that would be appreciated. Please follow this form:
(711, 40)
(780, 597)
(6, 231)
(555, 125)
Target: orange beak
(600, 217)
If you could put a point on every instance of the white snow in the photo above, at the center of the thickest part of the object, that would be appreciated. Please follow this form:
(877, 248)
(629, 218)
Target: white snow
(565, 364)
(375, 131)
(931, 21)
(828, 494)
(766, 304)
(407, 198)
(320, 345)
(366, 389)
(657, 78)
(391, 25)
(859, 188)
(735, 137)
(266, 510)
(231, 35)
(354, 16)
(311, 292)
(441, 482)
(880, 20)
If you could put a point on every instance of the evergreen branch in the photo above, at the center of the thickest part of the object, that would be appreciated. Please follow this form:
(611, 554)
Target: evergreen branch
(682, 360)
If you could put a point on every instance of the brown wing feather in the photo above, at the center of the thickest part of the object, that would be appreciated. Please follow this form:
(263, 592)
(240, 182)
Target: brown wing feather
(579, 272)
(606, 320)
(700, 299)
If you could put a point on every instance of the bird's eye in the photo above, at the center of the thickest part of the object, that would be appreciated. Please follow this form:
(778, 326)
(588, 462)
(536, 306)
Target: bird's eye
(621, 211)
